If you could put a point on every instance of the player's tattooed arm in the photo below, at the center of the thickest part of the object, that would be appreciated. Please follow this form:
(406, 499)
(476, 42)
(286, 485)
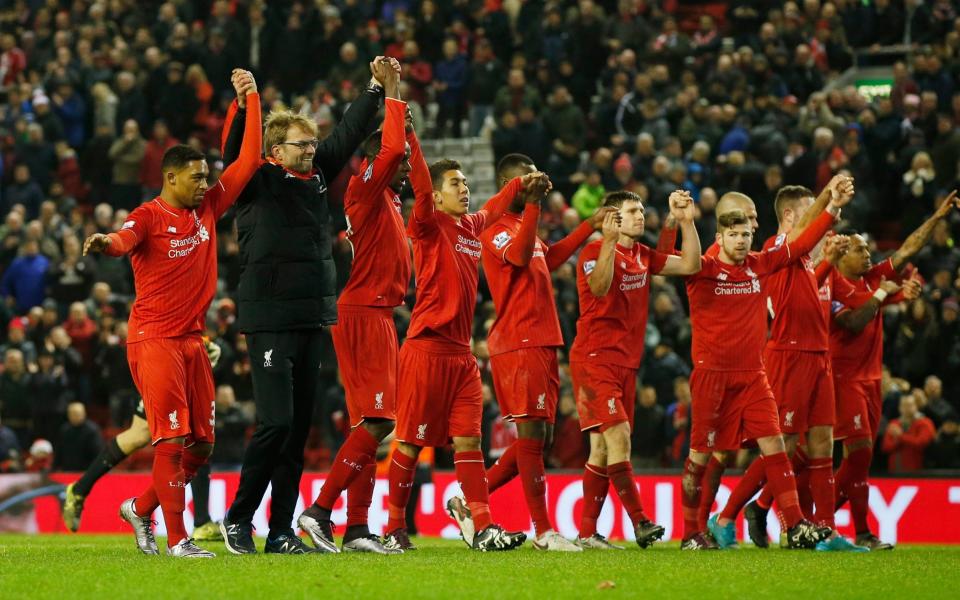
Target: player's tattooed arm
(601, 277)
(919, 238)
(856, 319)
(688, 263)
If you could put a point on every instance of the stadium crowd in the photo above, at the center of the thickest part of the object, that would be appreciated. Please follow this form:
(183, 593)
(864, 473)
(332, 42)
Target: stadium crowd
(603, 95)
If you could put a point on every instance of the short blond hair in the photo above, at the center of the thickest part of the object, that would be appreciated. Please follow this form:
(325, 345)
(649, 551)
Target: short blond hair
(279, 123)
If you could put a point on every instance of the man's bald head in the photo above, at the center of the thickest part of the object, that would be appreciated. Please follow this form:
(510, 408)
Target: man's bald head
(732, 201)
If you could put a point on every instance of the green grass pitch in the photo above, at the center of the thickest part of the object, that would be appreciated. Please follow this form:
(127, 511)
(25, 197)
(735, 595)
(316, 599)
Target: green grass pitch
(109, 567)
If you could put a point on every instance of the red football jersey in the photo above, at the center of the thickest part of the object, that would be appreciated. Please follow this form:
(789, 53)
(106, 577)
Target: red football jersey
(800, 317)
(380, 270)
(523, 296)
(174, 251)
(727, 303)
(446, 257)
(858, 356)
(611, 328)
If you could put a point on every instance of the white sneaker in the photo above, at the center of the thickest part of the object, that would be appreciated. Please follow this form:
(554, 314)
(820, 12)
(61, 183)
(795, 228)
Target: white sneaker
(596, 542)
(554, 542)
(187, 549)
(142, 527)
(460, 513)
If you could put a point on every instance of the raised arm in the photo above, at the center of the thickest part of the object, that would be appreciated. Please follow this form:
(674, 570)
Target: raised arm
(498, 204)
(919, 238)
(235, 177)
(667, 241)
(839, 186)
(423, 209)
(787, 253)
(518, 252)
(688, 263)
(600, 274)
(334, 152)
(380, 172)
(561, 252)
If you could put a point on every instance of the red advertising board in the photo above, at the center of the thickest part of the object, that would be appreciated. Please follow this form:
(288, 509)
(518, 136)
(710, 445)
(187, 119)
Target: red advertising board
(901, 510)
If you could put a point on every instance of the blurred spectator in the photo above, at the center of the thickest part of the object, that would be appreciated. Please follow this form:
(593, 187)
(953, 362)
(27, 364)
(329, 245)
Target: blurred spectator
(906, 438)
(938, 408)
(127, 154)
(649, 432)
(16, 397)
(39, 457)
(485, 78)
(17, 340)
(150, 176)
(9, 450)
(23, 284)
(450, 82)
(944, 452)
(231, 428)
(80, 440)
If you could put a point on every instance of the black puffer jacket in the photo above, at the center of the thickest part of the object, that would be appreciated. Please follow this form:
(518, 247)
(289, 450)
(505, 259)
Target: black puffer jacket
(287, 273)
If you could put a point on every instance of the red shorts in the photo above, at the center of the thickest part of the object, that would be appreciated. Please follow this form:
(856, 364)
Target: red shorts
(439, 395)
(605, 394)
(859, 405)
(527, 383)
(176, 382)
(365, 340)
(730, 407)
(802, 384)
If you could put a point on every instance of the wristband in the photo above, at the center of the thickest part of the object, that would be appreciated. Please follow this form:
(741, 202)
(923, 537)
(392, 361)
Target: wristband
(880, 295)
(375, 88)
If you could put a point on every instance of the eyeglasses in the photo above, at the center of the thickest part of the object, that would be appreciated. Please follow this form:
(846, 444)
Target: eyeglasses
(304, 144)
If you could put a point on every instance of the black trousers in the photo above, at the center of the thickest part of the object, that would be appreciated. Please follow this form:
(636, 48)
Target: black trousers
(286, 373)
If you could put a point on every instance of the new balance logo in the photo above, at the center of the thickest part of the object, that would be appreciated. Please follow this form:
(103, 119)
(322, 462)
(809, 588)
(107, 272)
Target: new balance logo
(711, 439)
(856, 422)
(542, 402)
(174, 423)
(171, 229)
(378, 401)
(788, 419)
(268, 358)
(422, 431)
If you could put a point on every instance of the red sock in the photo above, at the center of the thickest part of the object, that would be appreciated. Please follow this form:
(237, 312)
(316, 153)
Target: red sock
(782, 483)
(191, 463)
(504, 470)
(801, 473)
(621, 476)
(799, 462)
(691, 486)
(839, 478)
(360, 495)
(402, 468)
(473, 481)
(857, 487)
(147, 502)
(821, 488)
(711, 483)
(765, 499)
(752, 481)
(355, 454)
(534, 479)
(595, 484)
(170, 484)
